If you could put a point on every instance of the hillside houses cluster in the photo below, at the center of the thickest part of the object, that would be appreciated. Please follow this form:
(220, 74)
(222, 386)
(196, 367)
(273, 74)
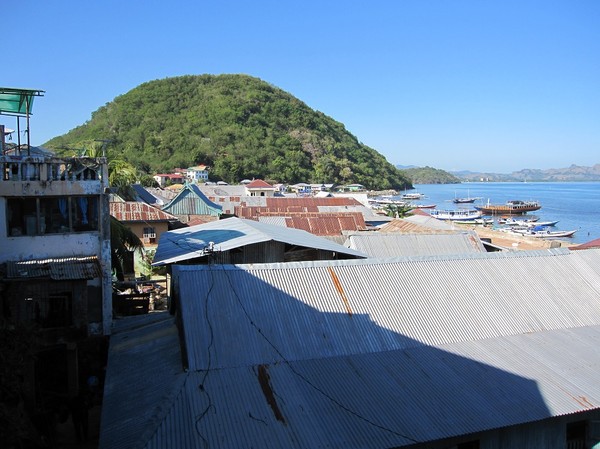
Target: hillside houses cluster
(292, 319)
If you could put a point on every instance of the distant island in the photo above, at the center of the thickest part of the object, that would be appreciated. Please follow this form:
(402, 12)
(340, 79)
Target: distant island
(572, 173)
(424, 175)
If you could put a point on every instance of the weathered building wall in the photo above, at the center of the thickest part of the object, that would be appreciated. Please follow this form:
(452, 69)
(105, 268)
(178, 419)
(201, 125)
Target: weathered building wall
(48, 246)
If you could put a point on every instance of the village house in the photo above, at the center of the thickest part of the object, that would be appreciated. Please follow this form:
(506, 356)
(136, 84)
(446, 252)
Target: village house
(190, 204)
(165, 179)
(197, 174)
(258, 187)
(236, 240)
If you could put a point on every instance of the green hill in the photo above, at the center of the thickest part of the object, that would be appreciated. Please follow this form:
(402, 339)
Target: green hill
(240, 126)
(429, 175)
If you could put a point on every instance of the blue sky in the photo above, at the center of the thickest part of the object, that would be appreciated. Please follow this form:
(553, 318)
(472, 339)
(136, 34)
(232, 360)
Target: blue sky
(480, 85)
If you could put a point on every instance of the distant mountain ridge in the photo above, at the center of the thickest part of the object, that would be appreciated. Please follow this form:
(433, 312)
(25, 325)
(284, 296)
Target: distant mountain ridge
(572, 173)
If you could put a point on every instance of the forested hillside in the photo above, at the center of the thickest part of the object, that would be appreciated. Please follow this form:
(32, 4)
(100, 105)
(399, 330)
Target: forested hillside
(429, 175)
(240, 126)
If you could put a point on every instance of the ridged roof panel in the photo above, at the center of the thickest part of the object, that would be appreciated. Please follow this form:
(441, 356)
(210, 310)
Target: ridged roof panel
(133, 211)
(365, 353)
(377, 244)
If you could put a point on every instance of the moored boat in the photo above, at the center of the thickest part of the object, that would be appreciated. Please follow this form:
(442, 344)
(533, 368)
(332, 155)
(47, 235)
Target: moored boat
(463, 200)
(423, 206)
(412, 196)
(544, 232)
(478, 221)
(527, 223)
(513, 207)
(458, 214)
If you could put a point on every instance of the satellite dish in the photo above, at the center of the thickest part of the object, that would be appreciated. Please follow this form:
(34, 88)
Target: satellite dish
(8, 131)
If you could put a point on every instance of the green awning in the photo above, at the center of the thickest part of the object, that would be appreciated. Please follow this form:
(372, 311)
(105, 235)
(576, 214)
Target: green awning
(17, 101)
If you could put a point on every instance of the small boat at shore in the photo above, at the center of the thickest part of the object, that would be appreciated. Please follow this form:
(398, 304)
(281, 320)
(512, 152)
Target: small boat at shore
(476, 221)
(543, 232)
(510, 221)
(458, 214)
(527, 223)
(513, 207)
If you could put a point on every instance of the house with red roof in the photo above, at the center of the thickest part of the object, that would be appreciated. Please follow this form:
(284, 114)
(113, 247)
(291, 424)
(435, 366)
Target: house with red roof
(258, 187)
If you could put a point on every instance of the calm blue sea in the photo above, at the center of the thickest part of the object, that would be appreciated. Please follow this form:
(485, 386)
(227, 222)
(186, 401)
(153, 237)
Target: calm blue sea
(576, 205)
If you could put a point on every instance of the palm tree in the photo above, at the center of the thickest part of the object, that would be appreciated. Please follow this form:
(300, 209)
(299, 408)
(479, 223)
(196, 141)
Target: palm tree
(122, 241)
(398, 210)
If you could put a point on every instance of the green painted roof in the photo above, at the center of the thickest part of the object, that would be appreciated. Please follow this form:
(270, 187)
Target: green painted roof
(17, 101)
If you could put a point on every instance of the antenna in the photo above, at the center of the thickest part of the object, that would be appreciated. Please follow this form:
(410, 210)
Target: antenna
(105, 143)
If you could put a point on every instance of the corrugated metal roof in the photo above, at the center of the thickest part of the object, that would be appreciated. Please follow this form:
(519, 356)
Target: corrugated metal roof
(377, 244)
(371, 354)
(273, 220)
(418, 224)
(431, 300)
(191, 201)
(58, 269)
(145, 196)
(189, 243)
(144, 366)
(135, 211)
(321, 224)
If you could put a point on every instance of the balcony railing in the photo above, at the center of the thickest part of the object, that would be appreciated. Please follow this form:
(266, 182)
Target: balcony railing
(36, 168)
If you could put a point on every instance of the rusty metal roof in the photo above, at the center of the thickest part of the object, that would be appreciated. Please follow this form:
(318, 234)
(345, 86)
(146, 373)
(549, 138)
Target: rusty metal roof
(58, 269)
(134, 211)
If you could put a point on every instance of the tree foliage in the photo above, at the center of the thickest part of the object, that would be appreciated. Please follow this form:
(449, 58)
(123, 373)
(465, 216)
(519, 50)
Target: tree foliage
(429, 175)
(240, 126)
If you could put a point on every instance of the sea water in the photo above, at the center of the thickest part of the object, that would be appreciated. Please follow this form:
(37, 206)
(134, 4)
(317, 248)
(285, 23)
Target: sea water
(575, 205)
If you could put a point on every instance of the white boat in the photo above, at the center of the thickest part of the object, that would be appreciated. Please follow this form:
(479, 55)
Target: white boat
(412, 196)
(544, 232)
(510, 221)
(479, 221)
(457, 214)
(528, 224)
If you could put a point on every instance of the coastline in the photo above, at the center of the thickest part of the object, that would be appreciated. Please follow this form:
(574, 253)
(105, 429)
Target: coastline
(517, 242)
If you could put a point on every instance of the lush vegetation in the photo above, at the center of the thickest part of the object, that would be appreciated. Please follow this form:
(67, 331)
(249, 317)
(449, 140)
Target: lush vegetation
(240, 126)
(428, 175)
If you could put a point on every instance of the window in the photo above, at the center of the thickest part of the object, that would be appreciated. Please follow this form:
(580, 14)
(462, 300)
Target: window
(47, 311)
(51, 215)
(149, 234)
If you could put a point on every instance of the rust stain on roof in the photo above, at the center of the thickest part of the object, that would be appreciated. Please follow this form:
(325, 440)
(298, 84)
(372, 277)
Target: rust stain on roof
(135, 211)
(338, 286)
(265, 384)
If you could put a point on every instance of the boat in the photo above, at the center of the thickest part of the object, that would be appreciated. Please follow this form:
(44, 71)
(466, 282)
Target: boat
(544, 232)
(412, 196)
(479, 221)
(466, 200)
(423, 206)
(456, 214)
(513, 207)
(526, 223)
(510, 221)
(463, 200)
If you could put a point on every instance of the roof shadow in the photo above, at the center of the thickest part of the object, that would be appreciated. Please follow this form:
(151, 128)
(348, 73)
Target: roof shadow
(302, 364)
